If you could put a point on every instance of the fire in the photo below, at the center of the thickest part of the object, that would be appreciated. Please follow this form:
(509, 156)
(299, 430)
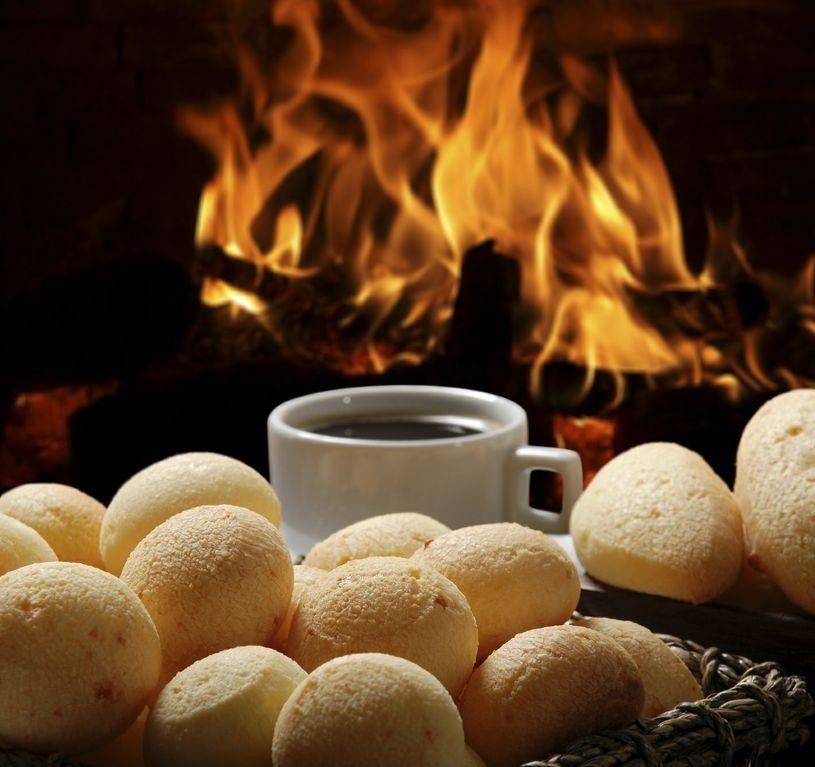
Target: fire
(359, 168)
(216, 292)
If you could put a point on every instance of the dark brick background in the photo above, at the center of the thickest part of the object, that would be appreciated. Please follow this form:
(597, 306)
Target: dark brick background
(94, 168)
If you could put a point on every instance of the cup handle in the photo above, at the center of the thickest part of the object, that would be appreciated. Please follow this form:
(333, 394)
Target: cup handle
(522, 463)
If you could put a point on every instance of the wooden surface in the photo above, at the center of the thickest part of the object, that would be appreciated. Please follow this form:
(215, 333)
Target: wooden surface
(786, 639)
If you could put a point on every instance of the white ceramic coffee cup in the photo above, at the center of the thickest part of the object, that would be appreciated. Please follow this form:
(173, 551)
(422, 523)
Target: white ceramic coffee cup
(326, 482)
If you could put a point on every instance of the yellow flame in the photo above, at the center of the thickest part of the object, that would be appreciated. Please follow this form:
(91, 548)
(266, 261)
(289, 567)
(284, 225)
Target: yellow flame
(378, 156)
(217, 293)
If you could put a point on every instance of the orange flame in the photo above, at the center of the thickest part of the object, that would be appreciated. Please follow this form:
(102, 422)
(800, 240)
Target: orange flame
(360, 165)
(216, 293)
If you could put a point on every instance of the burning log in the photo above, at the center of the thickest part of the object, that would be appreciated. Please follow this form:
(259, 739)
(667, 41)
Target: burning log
(715, 311)
(477, 348)
(212, 263)
(477, 351)
(225, 279)
(223, 407)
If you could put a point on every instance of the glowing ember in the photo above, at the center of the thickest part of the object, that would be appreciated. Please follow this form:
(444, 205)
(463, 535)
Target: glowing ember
(35, 442)
(593, 438)
(216, 292)
(364, 163)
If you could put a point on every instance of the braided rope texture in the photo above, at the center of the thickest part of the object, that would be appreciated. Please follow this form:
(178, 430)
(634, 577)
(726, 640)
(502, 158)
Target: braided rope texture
(751, 712)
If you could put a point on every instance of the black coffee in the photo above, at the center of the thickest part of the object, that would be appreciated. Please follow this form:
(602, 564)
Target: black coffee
(403, 428)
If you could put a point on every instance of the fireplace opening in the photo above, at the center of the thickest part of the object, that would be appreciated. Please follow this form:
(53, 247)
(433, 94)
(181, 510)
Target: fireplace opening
(601, 210)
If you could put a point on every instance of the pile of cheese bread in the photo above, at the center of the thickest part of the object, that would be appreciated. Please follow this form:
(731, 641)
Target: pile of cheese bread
(171, 628)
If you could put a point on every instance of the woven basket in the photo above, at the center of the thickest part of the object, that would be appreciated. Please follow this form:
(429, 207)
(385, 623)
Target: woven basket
(751, 712)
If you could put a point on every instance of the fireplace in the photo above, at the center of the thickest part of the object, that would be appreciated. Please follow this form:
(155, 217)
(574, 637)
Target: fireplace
(600, 209)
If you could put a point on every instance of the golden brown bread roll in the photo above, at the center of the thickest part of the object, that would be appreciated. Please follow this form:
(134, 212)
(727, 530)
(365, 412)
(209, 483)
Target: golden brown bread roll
(471, 759)
(221, 711)
(176, 484)
(775, 488)
(665, 678)
(369, 710)
(125, 750)
(79, 657)
(544, 688)
(304, 577)
(68, 519)
(388, 535)
(21, 545)
(386, 605)
(514, 578)
(755, 590)
(212, 578)
(657, 519)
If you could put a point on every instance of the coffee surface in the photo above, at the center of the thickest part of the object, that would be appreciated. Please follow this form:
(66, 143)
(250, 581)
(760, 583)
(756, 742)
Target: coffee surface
(399, 429)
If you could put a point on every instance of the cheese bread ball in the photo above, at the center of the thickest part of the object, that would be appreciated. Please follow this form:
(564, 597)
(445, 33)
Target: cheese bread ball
(471, 759)
(221, 711)
(369, 710)
(755, 590)
(775, 488)
(21, 545)
(389, 535)
(390, 605)
(79, 657)
(125, 750)
(65, 517)
(544, 688)
(657, 519)
(211, 578)
(514, 578)
(665, 678)
(176, 484)
(304, 577)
